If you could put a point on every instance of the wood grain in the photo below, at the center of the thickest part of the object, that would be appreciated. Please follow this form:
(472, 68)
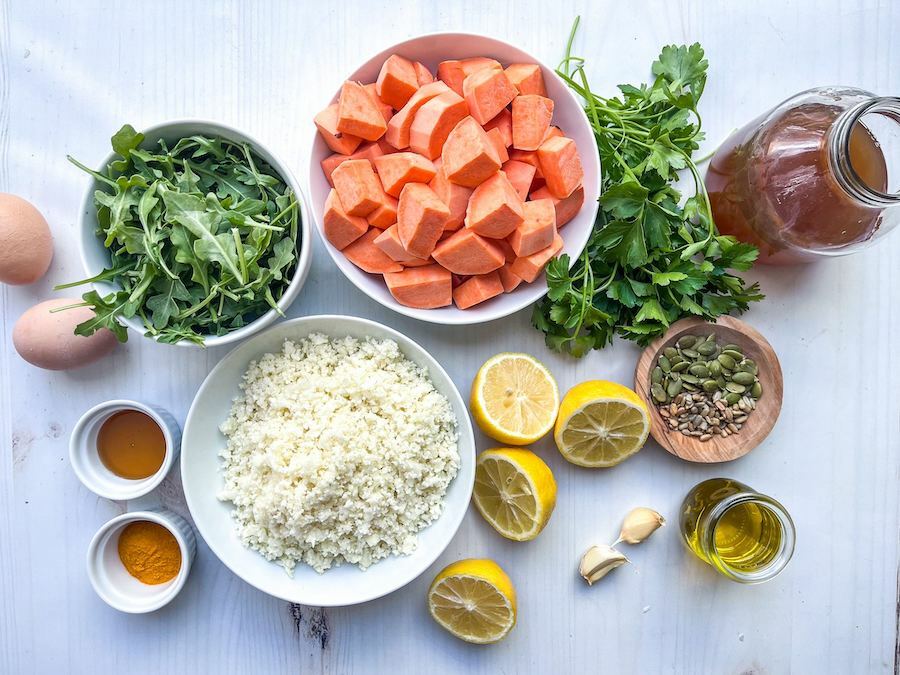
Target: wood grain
(728, 330)
(75, 71)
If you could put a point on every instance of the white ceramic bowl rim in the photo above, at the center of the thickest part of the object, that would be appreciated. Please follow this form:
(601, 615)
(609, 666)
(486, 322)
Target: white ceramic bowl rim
(301, 270)
(85, 459)
(166, 592)
(576, 233)
(450, 519)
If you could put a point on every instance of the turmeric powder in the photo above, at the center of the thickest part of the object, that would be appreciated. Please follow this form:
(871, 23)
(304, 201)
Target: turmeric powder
(149, 552)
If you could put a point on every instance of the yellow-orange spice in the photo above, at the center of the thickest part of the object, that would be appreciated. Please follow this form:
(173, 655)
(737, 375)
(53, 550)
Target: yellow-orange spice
(149, 552)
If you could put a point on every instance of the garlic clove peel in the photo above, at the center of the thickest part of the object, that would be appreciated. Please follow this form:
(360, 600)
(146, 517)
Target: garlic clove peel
(639, 524)
(598, 561)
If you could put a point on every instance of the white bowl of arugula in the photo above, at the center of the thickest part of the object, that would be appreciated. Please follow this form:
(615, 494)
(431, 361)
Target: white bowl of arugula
(192, 233)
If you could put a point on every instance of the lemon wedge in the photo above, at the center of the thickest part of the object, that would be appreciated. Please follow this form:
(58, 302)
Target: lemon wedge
(600, 424)
(514, 491)
(474, 600)
(514, 398)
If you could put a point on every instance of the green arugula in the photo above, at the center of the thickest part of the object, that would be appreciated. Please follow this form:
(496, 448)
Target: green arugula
(652, 257)
(202, 238)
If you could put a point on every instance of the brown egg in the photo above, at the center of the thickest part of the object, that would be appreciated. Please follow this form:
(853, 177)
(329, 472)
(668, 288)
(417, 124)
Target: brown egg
(48, 340)
(26, 245)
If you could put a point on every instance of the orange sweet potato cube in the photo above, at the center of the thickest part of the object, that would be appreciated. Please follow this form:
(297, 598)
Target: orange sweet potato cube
(386, 213)
(560, 165)
(454, 73)
(387, 112)
(389, 242)
(538, 229)
(531, 115)
(502, 123)
(477, 289)
(520, 174)
(495, 209)
(398, 128)
(341, 229)
(567, 208)
(368, 257)
(327, 124)
(468, 157)
(529, 267)
(456, 197)
(357, 186)
(423, 75)
(425, 287)
(365, 151)
(527, 78)
(359, 114)
(397, 81)
(487, 92)
(465, 252)
(420, 219)
(509, 280)
(496, 137)
(398, 169)
(434, 122)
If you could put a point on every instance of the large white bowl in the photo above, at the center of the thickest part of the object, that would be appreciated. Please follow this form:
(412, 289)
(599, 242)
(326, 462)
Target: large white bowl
(95, 257)
(567, 114)
(202, 479)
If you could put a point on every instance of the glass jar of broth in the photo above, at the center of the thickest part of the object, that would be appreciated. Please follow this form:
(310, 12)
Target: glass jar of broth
(816, 176)
(746, 536)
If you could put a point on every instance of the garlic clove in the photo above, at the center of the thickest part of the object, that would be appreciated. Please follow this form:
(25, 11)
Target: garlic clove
(598, 561)
(639, 524)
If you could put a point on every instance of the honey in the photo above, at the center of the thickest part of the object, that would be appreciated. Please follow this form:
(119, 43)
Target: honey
(746, 536)
(131, 444)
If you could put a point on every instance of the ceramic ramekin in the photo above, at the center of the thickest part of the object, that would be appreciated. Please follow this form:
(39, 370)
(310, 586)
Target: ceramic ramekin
(112, 582)
(86, 461)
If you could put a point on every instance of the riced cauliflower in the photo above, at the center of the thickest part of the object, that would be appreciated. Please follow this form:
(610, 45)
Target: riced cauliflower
(338, 450)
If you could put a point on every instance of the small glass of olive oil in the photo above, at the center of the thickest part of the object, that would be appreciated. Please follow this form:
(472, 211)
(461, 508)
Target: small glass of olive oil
(746, 536)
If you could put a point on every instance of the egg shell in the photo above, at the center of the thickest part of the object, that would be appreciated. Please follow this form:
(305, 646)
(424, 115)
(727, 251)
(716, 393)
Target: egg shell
(47, 340)
(26, 245)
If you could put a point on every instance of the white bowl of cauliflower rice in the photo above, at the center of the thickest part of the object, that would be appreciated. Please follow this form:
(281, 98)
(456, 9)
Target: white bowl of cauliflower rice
(328, 461)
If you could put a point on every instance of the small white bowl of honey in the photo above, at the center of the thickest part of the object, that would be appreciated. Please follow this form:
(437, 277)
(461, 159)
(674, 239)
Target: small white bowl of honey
(123, 449)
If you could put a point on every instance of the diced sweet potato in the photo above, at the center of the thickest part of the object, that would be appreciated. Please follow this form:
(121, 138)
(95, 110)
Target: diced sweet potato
(560, 165)
(341, 229)
(423, 75)
(386, 213)
(368, 257)
(398, 169)
(434, 122)
(389, 242)
(487, 92)
(456, 197)
(529, 267)
(357, 186)
(387, 112)
(420, 219)
(454, 73)
(509, 280)
(477, 289)
(495, 209)
(531, 115)
(520, 174)
(425, 287)
(567, 208)
(553, 132)
(527, 78)
(327, 124)
(538, 229)
(398, 128)
(506, 248)
(497, 141)
(529, 157)
(358, 114)
(417, 262)
(465, 252)
(468, 157)
(366, 151)
(503, 123)
(397, 81)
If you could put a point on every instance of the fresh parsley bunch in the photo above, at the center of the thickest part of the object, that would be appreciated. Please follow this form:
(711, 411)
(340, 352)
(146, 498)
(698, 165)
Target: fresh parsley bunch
(202, 238)
(651, 258)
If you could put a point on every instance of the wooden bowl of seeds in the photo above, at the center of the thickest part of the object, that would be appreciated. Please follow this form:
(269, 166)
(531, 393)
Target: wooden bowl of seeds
(714, 389)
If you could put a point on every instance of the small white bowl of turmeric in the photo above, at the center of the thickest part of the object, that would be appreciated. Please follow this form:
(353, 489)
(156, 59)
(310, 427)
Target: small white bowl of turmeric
(140, 561)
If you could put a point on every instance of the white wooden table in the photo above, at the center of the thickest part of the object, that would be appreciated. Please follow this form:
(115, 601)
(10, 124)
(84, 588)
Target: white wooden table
(72, 72)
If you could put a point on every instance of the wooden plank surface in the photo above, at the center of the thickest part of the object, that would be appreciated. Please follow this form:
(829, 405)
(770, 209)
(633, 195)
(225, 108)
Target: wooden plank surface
(72, 73)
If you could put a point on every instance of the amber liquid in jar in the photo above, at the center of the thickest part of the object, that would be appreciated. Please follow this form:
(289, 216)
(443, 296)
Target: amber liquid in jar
(131, 444)
(780, 193)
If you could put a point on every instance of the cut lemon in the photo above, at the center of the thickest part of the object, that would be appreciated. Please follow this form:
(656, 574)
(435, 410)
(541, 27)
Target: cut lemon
(474, 600)
(514, 491)
(600, 424)
(514, 398)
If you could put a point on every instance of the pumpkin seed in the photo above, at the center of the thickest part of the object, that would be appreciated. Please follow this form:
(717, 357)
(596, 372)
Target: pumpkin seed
(732, 399)
(670, 352)
(735, 388)
(691, 387)
(749, 366)
(657, 375)
(707, 348)
(731, 347)
(674, 388)
(721, 381)
(714, 368)
(699, 370)
(681, 366)
(733, 353)
(756, 390)
(676, 359)
(685, 377)
(726, 361)
(686, 341)
(710, 386)
(665, 364)
(742, 377)
(659, 394)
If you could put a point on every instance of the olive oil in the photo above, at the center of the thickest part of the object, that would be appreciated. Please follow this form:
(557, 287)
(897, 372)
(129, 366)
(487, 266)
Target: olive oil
(745, 535)
(131, 445)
